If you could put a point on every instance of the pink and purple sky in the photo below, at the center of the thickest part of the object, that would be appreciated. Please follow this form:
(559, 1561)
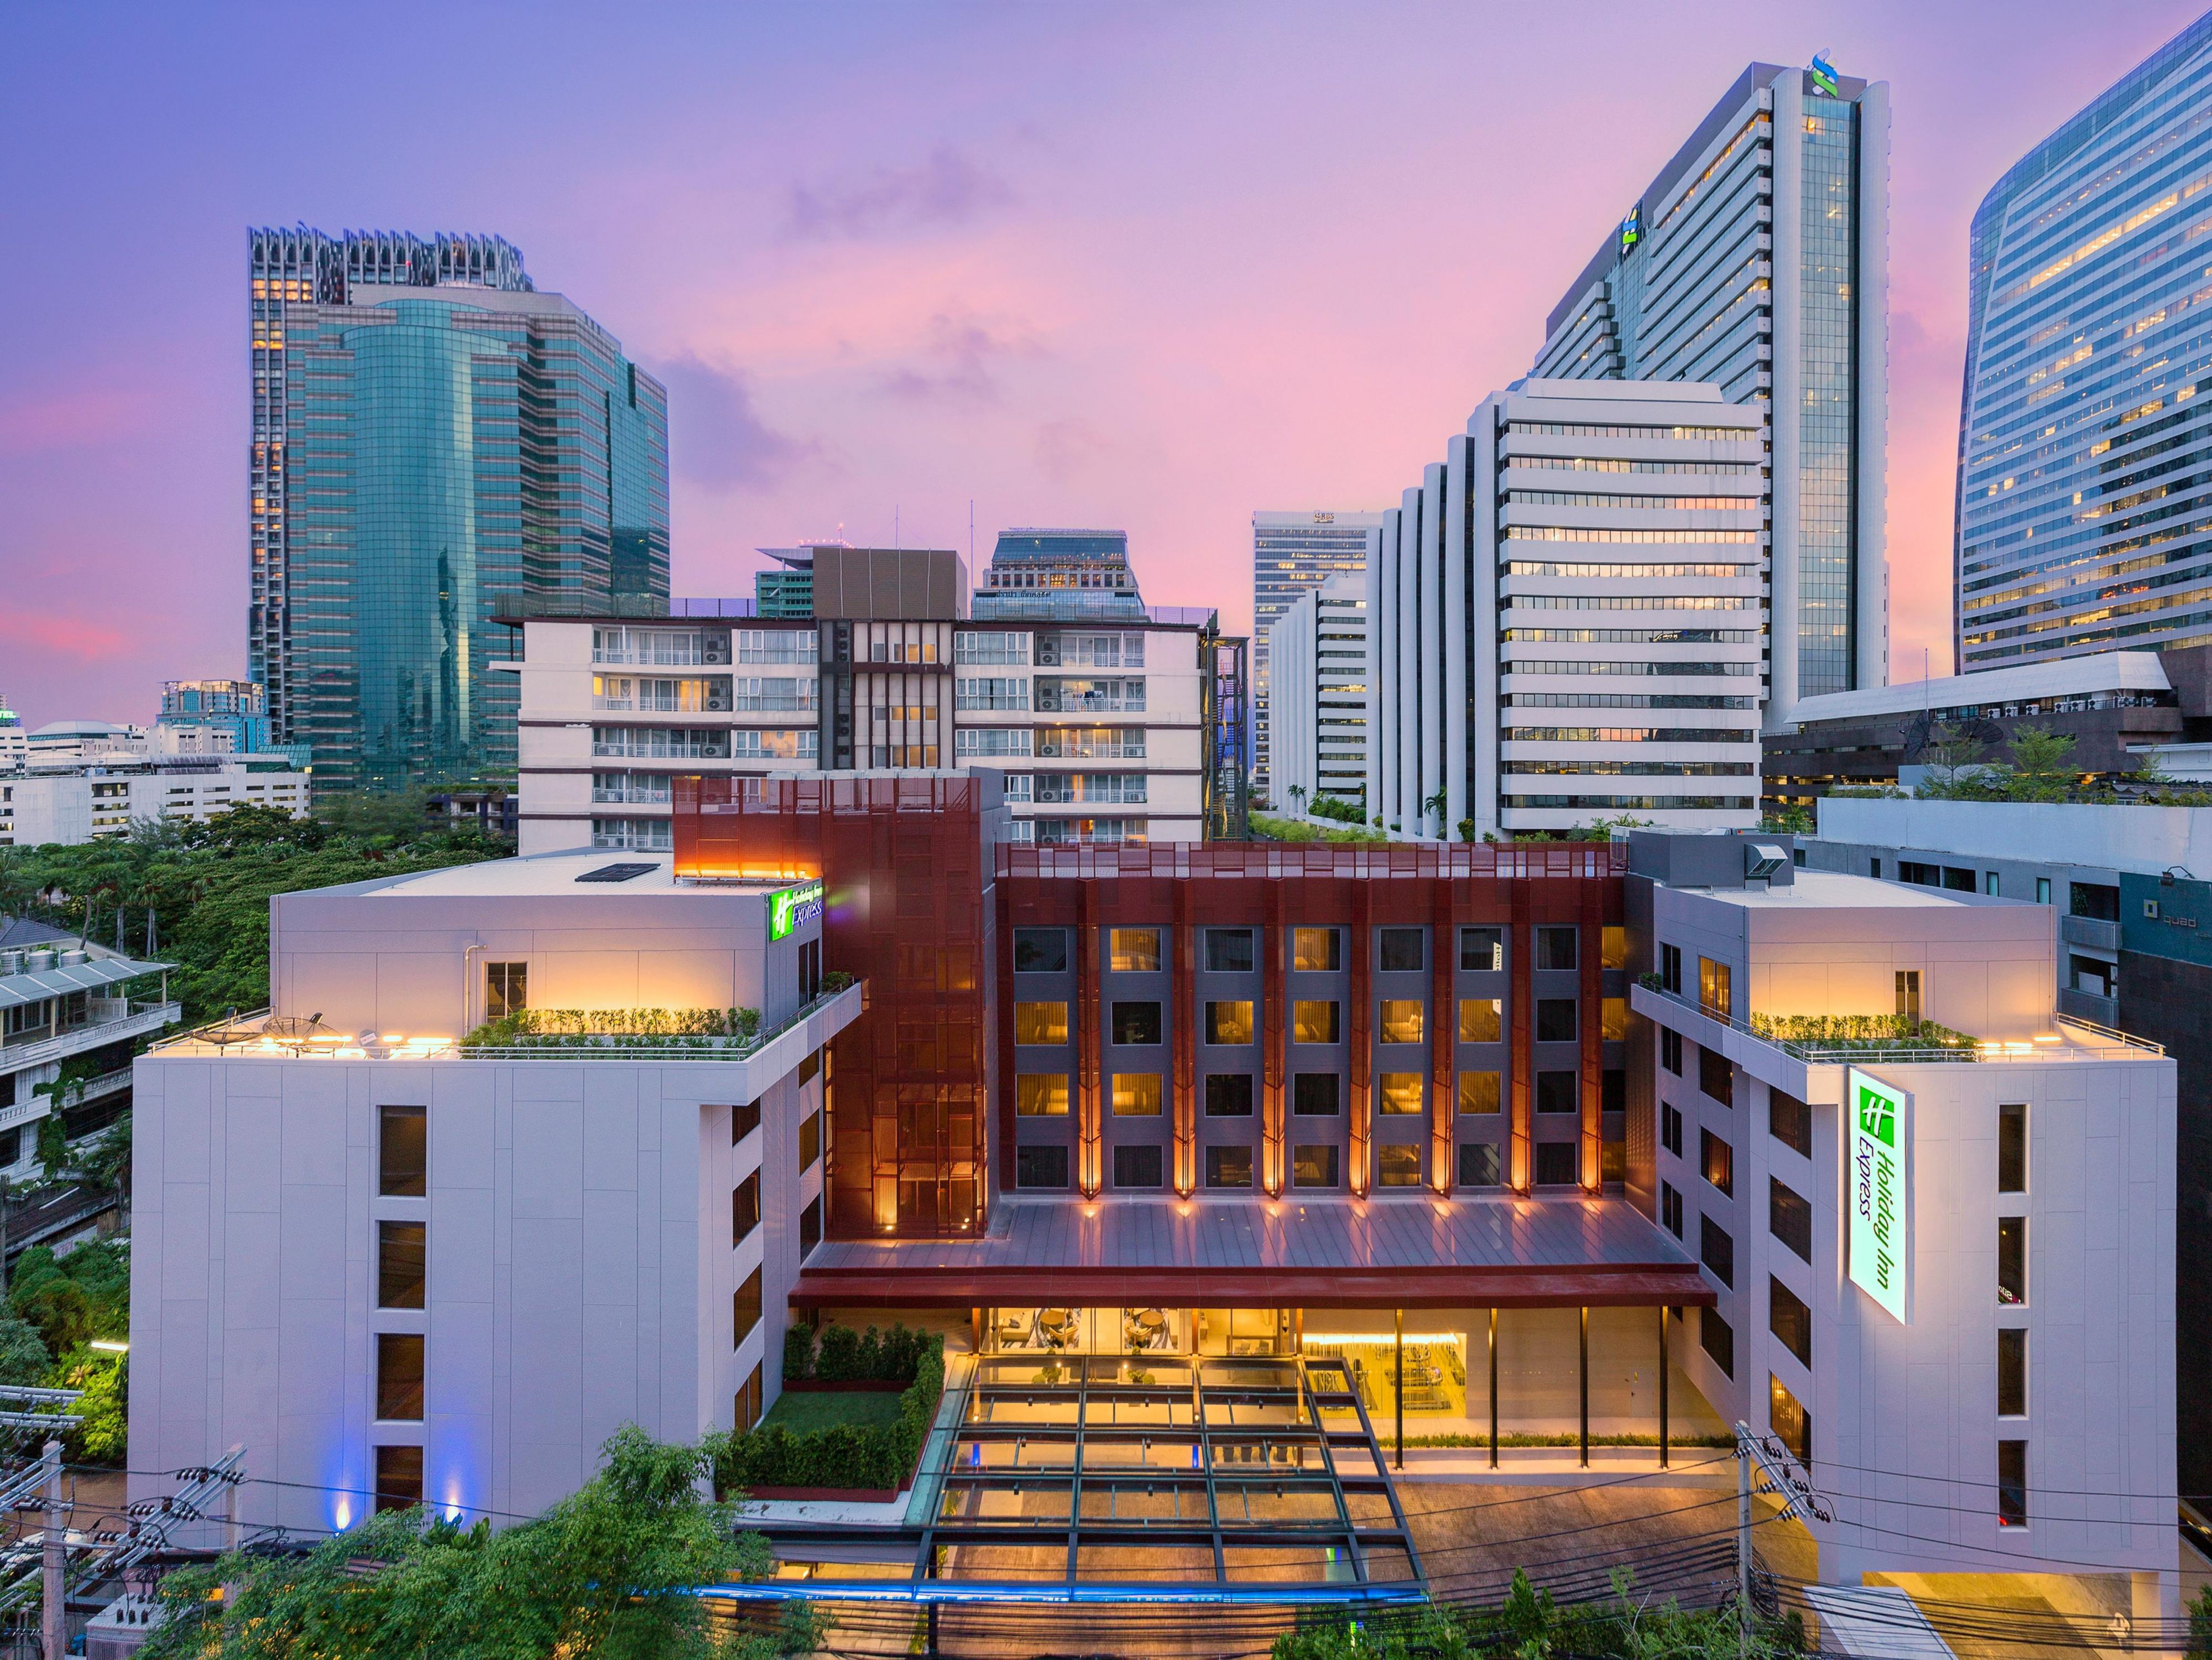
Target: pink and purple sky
(1148, 265)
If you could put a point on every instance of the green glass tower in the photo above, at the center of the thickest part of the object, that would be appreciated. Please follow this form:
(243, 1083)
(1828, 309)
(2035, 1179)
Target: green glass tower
(435, 444)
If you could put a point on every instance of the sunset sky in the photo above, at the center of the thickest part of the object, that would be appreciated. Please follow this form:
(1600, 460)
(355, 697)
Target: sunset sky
(1153, 266)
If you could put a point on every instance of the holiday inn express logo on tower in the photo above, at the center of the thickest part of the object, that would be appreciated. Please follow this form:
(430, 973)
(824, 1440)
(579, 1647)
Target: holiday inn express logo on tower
(788, 908)
(1880, 1237)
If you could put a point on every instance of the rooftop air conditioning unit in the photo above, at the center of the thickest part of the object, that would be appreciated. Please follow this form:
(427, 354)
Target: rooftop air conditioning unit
(1761, 859)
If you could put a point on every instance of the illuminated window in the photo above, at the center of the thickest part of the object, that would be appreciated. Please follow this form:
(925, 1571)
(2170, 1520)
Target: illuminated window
(1314, 1166)
(1401, 1093)
(1481, 1019)
(1793, 1425)
(1402, 1020)
(1315, 950)
(1136, 950)
(1040, 1023)
(1314, 1020)
(1715, 994)
(1136, 1095)
(1229, 1023)
(1613, 947)
(1398, 1167)
(1479, 1092)
(1041, 1095)
(1613, 1014)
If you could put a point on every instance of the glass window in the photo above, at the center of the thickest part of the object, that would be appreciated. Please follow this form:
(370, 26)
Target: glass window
(1229, 1023)
(1793, 1425)
(1789, 1217)
(1136, 1095)
(2012, 1147)
(1135, 951)
(1136, 1023)
(398, 1478)
(1313, 1020)
(1556, 1164)
(2012, 1373)
(1555, 1019)
(1481, 1019)
(745, 1209)
(2042, 890)
(1481, 950)
(399, 1375)
(1314, 1165)
(1714, 993)
(507, 990)
(1670, 968)
(1398, 1166)
(1314, 950)
(1229, 1167)
(1670, 1128)
(1555, 948)
(1612, 1015)
(1790, 1121)
(1400, 950)
(1613, 1089)
(403, 1256)
(1040, 1023)
(2012, 1259)
(1478, 1164)
(1041, 1095)
(1229, 1094)
(1040, 1167)
(1613, 947)
(745, 1308)
(1670, 1051)
(1670, 1209)
(1400, 1092)
(1556, 1092)
(1908, 995)
(403, 1152)
(2012, 1484)
(1229, 950)
(1716, 1076)
(1402, 1020)
(1040, 951)
(1479, 1092)
(810, 1141)
(1717, 1159)
(745, 1119)
(1717, 1338)
(1790, 1320)
(1315, 1094)
(1137, 1167)
(1717, 1250)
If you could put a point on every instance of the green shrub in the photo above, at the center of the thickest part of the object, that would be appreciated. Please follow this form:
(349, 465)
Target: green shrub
(798, 1351)
(843, 1455)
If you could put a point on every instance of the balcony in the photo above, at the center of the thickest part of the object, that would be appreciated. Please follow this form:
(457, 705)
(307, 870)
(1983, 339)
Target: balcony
(146, 1015)
(2091, 931)
(2088, 1006)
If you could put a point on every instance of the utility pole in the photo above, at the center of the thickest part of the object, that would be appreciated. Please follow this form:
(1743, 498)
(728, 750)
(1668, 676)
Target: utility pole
(54, 1622)
(1778, 1475)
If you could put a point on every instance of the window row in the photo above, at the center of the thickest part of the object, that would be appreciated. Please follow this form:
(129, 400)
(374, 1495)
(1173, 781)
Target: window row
(1313, 950)
(1318, 1165)
(1320, 1020)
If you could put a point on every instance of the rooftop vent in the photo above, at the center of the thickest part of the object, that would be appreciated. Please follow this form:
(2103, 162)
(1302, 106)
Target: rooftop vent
(1762, 859)
(616, 872)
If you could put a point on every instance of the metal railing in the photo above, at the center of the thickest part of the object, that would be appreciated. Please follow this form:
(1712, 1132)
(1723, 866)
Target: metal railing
(146, 1016)
(2109, 1044)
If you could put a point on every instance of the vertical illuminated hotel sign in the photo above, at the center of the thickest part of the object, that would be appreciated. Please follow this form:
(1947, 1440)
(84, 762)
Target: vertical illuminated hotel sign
(791, 908)
(1876, 1186)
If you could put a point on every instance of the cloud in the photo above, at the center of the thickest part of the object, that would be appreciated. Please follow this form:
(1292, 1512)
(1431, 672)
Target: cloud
(1065, 448)
(63, 637)
(947, 189)
(715, 434)
(962, 350)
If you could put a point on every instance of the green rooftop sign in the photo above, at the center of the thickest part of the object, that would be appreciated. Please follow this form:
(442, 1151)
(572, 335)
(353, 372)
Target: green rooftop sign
(1876, 1145)
(792, 908)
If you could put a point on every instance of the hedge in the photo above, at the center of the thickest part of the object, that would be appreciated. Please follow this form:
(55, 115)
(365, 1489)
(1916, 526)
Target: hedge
(847, 1356)
(845, 1456)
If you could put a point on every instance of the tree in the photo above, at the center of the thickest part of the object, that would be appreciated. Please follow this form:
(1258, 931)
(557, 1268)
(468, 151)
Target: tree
(1297, 794)
(1434, 807)
(1950, 750)
(597, 1576)
(2042, 766)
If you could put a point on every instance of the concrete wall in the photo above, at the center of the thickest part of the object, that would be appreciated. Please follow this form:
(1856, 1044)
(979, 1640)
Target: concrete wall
(2136, 838)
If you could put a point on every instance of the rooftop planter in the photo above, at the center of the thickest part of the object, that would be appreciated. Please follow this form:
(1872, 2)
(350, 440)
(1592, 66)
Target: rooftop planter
(1869, 1034)
(855, 1463)
(646, 1029)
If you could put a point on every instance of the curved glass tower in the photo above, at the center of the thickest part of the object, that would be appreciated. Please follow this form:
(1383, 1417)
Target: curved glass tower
(2085, 451)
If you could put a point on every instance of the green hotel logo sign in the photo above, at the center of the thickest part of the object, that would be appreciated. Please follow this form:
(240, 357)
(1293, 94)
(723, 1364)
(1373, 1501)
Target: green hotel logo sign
(1875, 1185)
(791, 908)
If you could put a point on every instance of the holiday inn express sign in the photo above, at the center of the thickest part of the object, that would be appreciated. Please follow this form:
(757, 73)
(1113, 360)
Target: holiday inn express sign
(791, 908)
(1874, 1185)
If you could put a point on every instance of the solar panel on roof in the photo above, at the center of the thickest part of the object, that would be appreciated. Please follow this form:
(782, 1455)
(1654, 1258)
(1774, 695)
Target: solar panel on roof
(616, 872)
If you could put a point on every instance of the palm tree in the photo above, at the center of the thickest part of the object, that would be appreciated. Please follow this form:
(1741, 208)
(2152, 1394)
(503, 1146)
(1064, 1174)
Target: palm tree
(1297, 794)
(1435, 804)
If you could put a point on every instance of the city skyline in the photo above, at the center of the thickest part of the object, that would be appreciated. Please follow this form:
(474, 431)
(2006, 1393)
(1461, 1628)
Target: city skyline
(963, 297)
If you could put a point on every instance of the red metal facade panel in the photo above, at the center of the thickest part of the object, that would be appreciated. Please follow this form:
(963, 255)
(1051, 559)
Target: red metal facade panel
(1273, 1155)
(1444, 1033)
(1090, 1127)
(1185, 1174)
(1361, 1140)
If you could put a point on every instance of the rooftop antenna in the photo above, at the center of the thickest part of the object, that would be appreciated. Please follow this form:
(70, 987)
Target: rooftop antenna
(971, 533)
(895, 528)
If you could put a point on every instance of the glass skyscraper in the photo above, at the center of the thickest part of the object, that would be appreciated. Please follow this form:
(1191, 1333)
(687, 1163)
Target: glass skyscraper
(1758, 260)
(2085, 500)
(1075, 575)
(1293, 553)
(434, 444)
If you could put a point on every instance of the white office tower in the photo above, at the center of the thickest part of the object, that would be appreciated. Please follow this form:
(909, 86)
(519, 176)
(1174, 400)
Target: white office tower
(1593, 645)
(1318, 648)
(1757, 259)
(1293, 553)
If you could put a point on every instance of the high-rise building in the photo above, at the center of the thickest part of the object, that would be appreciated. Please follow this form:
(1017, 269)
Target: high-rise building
(1073, 575)
(433, 443)
(1293, 553)
(1590, 646)
(788, 590)
(1758, 260)
(1319, 647)
(2084, 503)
